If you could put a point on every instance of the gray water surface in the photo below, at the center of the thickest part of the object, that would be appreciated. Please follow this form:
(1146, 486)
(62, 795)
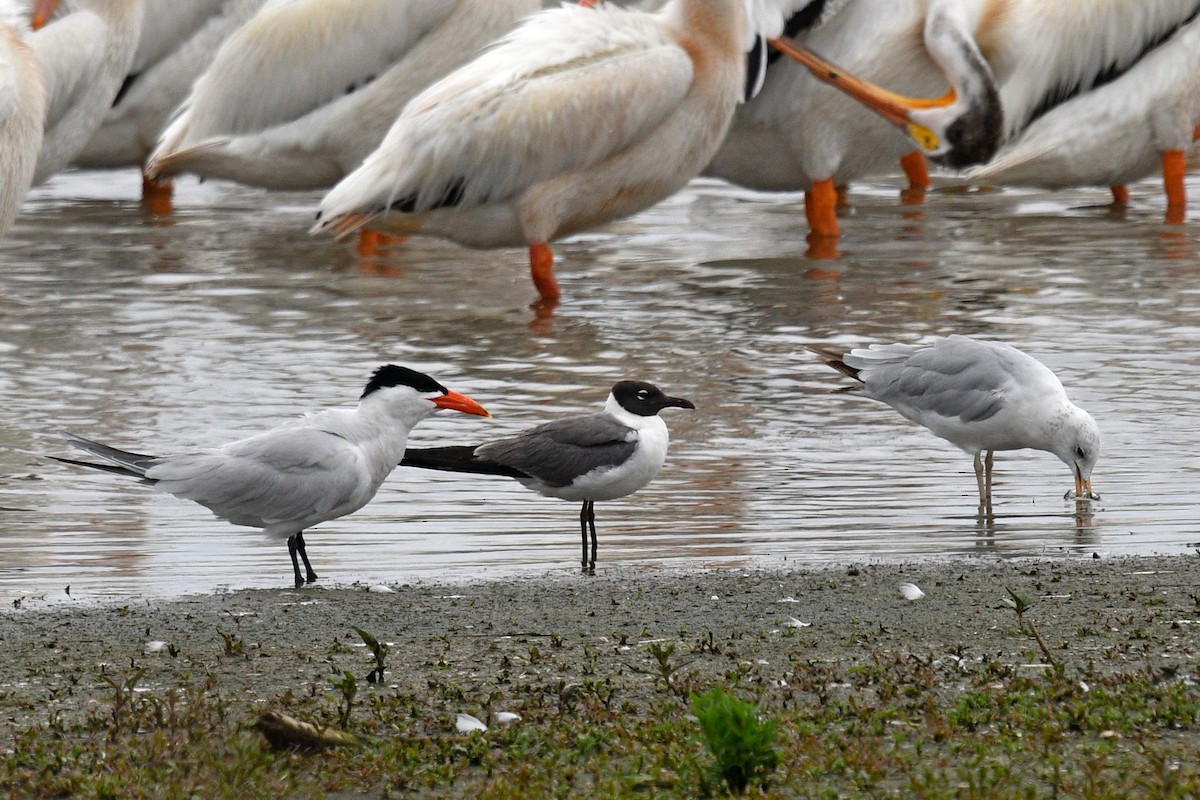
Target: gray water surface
(228, 319)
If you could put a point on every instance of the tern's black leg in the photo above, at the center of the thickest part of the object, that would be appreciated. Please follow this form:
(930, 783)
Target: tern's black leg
(292, 549)
(296, 547)
(312, 576)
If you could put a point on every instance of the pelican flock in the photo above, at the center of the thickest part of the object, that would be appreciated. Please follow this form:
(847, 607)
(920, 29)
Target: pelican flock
(85, 49)
(178, 42)
(303, 92)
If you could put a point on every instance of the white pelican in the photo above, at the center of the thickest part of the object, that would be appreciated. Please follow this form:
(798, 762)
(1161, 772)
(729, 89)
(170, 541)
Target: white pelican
(85, 52)
(579, 117)
(299, 95)
(178, 42)
(1143, 118)
(1037, 54)
(22, 111)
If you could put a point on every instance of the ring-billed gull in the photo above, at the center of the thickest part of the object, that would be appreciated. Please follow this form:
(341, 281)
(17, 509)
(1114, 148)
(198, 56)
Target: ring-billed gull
(982, 396)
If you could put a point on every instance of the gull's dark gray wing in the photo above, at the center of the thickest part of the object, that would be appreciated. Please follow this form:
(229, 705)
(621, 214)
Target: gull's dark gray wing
(559, 452)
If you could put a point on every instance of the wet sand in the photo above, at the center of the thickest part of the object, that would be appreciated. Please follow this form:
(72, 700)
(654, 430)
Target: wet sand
(1096, 614)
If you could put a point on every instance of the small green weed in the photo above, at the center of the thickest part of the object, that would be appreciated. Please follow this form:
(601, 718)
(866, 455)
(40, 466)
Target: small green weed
(742, 744)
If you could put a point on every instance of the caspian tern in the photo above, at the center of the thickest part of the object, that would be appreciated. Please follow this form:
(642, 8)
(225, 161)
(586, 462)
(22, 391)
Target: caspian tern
(320, 467)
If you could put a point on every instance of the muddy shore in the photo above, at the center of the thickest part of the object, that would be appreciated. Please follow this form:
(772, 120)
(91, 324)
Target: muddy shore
(1118, 613)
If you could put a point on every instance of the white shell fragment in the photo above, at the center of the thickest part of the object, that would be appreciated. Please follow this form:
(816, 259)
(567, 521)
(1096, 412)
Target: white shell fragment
(505, 717)
(468, 724)
(379, 588)
(911, 591)
(792, 622)
(155, 646)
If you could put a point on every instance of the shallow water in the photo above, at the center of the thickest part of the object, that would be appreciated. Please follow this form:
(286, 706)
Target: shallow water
(228, 319)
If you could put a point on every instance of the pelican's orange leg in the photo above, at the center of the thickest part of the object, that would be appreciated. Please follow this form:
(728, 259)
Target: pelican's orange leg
(1174, 168)
(820, 207)
(541, 268)
(916, 169)
(1120, 193)
(157, 195)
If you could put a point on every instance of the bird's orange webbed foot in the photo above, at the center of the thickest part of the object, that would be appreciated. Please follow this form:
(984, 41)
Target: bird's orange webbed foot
(370, 242)
(157, 195)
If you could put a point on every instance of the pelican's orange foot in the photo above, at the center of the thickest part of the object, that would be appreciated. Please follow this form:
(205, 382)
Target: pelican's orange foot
(822, 247)
(157, 195)
(370, 242)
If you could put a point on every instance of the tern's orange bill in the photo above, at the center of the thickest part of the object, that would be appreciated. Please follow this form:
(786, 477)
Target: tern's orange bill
(460, 402)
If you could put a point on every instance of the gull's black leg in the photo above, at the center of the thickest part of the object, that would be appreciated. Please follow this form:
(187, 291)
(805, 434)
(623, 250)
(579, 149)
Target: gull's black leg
(312, 576)
(583, 531)
(590, 505)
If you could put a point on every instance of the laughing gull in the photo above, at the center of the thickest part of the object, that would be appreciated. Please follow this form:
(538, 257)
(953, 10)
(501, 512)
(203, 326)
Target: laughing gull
(320, 467)
(978, 395)
(582, 458)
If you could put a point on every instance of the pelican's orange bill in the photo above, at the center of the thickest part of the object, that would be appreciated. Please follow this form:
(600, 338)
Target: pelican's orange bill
(895, 108)
(43, 10)
(460, 402)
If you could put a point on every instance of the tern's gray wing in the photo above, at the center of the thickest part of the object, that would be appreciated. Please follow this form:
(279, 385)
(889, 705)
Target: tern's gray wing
(559, 452)
(290, 475)
(953, 378)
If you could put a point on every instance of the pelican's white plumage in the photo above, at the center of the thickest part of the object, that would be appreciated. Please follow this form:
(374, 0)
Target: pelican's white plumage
(22, 111)
(580, 116)
(178, 42)
(1118, 133)
(300, 94)
(85, 52)
(797, 133)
